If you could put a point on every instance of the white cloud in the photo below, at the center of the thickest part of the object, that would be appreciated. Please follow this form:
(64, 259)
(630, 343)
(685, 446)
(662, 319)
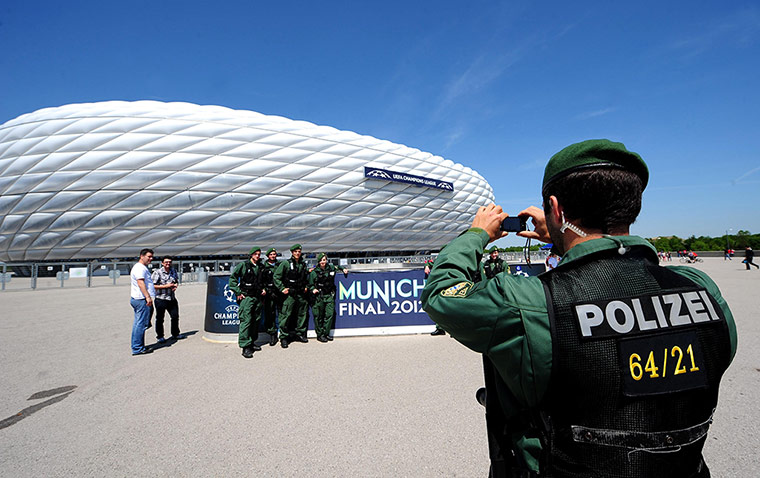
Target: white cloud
(594, 114)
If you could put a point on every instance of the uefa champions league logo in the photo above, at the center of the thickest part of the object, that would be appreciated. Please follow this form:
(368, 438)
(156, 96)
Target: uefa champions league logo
(377, 173)
(229, 294)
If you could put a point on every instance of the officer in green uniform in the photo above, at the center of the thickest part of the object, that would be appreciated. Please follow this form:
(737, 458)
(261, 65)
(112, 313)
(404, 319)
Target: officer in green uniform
(272, 300)
(290, 278)
(322, 287)
(494, 265)
(607, 365)
(429, 267)
(245, 282)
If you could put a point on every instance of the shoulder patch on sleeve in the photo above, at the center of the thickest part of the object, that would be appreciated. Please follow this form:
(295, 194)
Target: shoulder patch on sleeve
(459, 290)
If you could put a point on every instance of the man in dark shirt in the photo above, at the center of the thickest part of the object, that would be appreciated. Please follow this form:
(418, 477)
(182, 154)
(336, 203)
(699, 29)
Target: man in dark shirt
(749, 254)
(166, 281)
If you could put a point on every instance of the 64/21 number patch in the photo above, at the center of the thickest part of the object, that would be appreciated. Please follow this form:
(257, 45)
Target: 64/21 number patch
(663, 363)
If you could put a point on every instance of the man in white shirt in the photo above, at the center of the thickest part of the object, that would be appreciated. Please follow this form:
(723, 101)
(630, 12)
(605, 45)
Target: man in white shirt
(141, 298)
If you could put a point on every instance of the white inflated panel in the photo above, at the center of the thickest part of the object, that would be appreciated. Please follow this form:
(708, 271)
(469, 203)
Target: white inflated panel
(98, 180)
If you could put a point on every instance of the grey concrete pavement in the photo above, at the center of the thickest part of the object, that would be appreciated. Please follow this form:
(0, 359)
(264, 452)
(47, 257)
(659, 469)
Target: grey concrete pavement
(372, 406)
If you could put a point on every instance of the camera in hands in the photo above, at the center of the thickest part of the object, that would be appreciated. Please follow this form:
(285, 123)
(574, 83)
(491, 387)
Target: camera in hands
(515, 224)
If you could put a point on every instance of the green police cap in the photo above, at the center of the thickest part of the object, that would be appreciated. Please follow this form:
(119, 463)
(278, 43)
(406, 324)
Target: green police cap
(493, 249)
(320, 256)
(594, 153)
(271, 250)
(254, 249)
(294, 247)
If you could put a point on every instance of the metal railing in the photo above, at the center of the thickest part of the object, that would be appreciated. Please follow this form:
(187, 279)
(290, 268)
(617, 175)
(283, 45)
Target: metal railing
(50, 275)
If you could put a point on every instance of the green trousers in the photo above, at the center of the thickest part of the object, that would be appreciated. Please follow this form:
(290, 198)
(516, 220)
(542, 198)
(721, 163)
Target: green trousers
(324, 314)
(249, 312)
(272, 305)
(295, 316)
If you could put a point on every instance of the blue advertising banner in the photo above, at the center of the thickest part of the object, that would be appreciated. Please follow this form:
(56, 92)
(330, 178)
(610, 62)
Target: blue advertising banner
(366, 303)
(221, 306)
(380, 299)
(377, 173)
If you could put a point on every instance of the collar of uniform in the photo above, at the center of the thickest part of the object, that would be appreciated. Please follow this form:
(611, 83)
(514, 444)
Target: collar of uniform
(604, 244)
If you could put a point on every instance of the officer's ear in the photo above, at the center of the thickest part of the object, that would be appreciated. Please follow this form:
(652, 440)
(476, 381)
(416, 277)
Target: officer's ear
(554, 210)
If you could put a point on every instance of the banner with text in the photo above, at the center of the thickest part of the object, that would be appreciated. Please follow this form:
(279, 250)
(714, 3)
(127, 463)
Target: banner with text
(380, 299)
(387, 175)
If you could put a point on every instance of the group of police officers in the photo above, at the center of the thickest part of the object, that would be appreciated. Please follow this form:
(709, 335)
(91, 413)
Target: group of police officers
(284, 289)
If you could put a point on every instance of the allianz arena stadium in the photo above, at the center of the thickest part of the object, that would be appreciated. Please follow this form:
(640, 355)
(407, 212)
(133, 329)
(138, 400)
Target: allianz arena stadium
(103, 180)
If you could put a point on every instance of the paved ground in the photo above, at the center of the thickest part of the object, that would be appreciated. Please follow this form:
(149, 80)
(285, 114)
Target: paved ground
(377, 406)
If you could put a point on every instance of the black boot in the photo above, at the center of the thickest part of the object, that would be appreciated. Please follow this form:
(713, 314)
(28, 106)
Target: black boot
(248, 352)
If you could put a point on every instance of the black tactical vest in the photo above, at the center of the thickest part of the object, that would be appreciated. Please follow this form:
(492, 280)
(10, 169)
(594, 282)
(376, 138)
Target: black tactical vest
(295, 276)
(325, 280)
(638, 354)
(267, 274)
(493, 267)
(250, 281)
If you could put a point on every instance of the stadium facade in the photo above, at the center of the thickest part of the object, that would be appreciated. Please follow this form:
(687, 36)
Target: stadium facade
(102, 180)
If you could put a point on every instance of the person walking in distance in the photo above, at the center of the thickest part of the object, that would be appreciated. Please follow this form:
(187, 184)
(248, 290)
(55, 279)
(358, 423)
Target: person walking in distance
(749, 255)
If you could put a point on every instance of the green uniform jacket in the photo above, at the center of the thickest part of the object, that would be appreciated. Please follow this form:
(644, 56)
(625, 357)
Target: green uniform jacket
(313, 275)
(281, 275)
(239, 272)
(273, 267)
(506, 318)
(483, 268)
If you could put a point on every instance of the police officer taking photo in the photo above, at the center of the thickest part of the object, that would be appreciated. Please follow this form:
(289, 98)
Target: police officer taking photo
(608, 365)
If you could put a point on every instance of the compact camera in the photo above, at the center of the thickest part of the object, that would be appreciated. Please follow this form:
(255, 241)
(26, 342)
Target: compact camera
(515, 224)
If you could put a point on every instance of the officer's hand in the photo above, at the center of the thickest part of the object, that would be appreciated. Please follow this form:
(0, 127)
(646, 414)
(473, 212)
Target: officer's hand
(240, 297)
(285, 291)
(263, 292)
(539, 231)
(316, 291)
(489, 219)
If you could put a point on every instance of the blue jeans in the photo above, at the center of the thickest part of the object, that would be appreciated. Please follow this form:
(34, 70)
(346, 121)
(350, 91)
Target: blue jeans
(142, 317)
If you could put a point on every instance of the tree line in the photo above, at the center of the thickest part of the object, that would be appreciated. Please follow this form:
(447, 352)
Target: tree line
(737, 241)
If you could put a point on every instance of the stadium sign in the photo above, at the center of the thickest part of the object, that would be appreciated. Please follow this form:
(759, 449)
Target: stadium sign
(387, 175)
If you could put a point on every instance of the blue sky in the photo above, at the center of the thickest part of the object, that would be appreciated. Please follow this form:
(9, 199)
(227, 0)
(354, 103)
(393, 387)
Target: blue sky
(497, 86)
